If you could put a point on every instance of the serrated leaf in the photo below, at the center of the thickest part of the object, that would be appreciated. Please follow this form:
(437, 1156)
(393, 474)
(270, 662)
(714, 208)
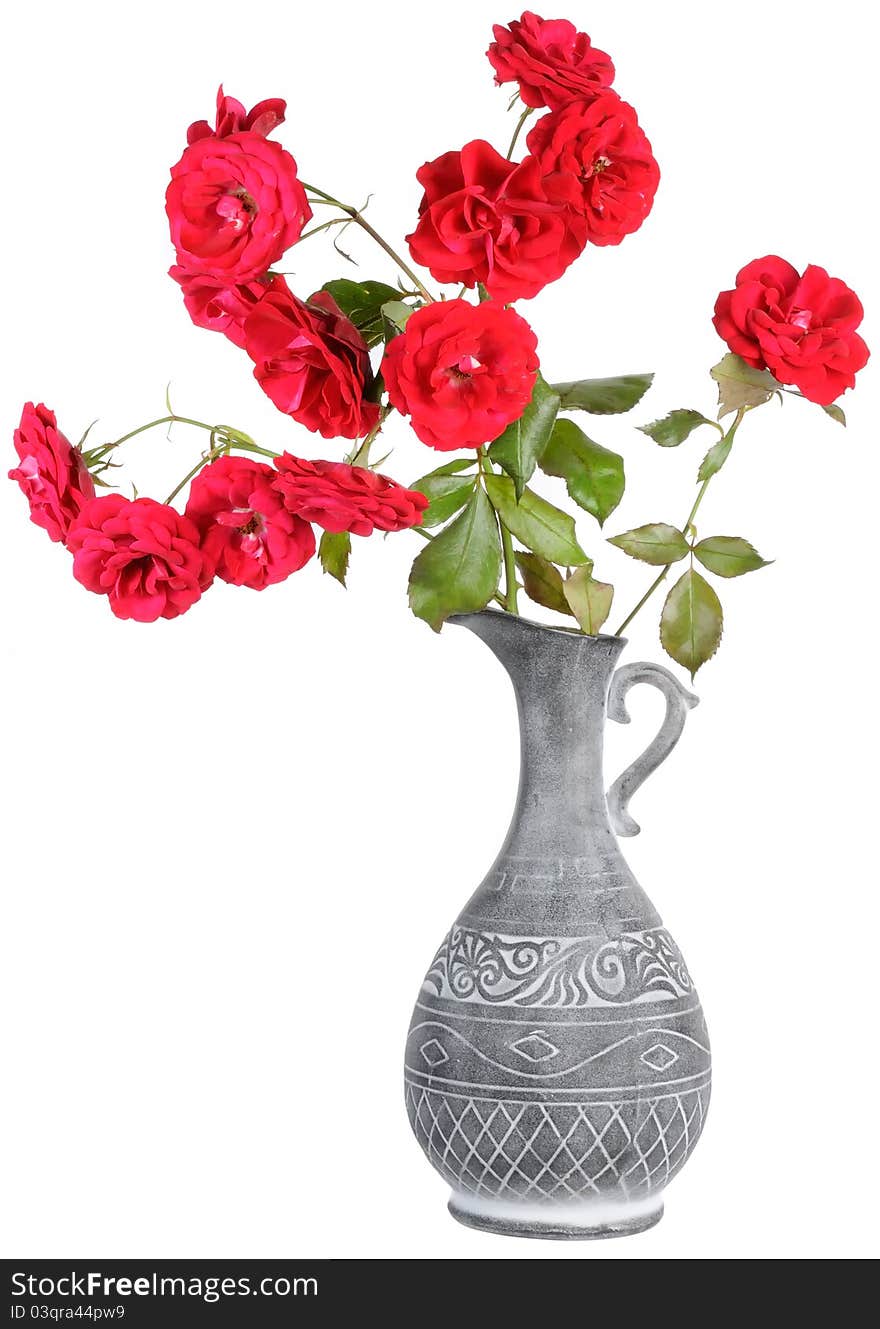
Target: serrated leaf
(362, 302)
(588, 599)
(728, 555)
(518, 450)
(458, 571)
(593, 475)
(691, 622)
(395, 315)
(334, 551)
(836, 413)
(541, 527)
(715, 457)
(675, 427)
(542, 581)
(741, 385)
(657, 543)
(446, 491)
(603, 396)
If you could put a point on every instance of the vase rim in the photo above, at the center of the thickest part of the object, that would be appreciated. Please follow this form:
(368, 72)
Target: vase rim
(535, 626)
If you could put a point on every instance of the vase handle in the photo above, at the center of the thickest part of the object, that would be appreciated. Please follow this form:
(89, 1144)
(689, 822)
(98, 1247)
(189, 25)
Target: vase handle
(678, 702)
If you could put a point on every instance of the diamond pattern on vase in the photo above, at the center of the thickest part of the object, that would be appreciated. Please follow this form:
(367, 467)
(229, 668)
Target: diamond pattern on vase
(659, 1057)
(534, 1047)
(434, 1053)
(556, 1151)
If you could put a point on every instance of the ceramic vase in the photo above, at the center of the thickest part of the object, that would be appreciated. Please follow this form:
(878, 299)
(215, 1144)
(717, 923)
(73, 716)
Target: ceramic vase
(557, 1064)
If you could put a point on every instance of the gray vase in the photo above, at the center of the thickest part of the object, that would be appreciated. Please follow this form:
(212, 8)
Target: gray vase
(557, 1064)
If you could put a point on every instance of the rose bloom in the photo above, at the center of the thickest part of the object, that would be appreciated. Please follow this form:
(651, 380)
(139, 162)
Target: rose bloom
(485, 219)
(600, 143)
(143, 555)
(551, 61)
(461, 372)
(247, 533)
(212, 304)
(50, 473)
(232, 118)
(801, 328)
(234, 206)
(312, 361)
(346, 498)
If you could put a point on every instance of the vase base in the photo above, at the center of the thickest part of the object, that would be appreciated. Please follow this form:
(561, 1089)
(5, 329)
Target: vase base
(587, 1221)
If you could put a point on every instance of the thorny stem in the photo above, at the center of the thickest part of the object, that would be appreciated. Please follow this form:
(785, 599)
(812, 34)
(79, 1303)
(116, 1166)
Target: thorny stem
(519, 124)
(687, 524)
(361, 221)
(226, 438)
(361, 456)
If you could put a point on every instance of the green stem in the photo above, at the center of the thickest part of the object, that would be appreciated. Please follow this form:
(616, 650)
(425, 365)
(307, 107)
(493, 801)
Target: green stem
(361, 221)
(509, 599)
(688, 523)
(231, 438)
(510, 586)
(361, 455)
(141, 429)
(191, 475)
(519, 124)
(644, 600)
(324, 226)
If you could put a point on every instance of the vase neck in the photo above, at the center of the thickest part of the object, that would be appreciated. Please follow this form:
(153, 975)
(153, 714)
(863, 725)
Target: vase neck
(561, 681)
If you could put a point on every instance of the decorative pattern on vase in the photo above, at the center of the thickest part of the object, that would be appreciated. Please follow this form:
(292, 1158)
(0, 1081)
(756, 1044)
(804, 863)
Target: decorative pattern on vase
(556, 1151)
(480, 966)
(557, 1069)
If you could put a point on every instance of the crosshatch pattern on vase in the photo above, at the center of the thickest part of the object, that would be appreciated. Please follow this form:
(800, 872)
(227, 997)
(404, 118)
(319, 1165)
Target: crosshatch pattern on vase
(556, 1151)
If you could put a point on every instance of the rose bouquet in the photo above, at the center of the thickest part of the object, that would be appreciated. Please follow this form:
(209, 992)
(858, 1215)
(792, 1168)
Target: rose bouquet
(460, 363)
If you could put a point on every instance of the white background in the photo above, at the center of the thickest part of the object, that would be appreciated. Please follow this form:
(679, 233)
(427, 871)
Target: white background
(232, 843)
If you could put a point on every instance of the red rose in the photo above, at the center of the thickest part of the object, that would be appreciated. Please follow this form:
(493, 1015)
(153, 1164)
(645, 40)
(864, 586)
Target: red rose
(234, 205)
(51, 473)
(551, 61)
(312, 361)
(346, 498)
(801, 328)
(600, 143)
(232, 118)
(485, 219)
(461, 372)
(247, 534)
(144, 556)
(212, 304)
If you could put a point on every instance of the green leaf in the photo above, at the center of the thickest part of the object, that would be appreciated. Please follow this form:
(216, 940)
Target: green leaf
(458, 571)
(395, 315)
(334, 551)
(691, 622)
(728, 555)
(446, 491)
(536, 523)
(604, 396)
(715, 457)
(656, 543)
(543, 582)
(518, 450)
(588, 599)
(593, 475)
(741, 385)
(675, 427)
(836, 413)
(362, 302)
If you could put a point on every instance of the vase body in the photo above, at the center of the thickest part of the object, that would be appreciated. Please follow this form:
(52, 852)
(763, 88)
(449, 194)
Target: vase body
(557, 1063)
